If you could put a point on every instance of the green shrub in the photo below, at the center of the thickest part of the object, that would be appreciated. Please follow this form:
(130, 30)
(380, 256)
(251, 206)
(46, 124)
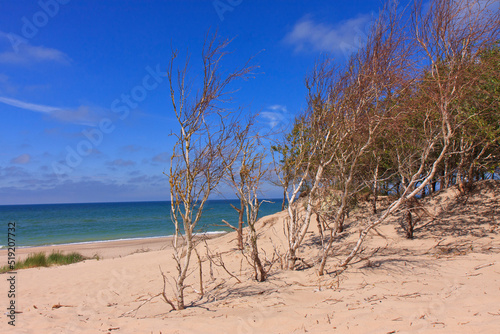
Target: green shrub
(33, 260)
(56, 257)
(73, 258)
(42, 260)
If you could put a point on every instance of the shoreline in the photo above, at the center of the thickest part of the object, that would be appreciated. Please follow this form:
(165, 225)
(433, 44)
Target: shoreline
(3, 247)
(104, 249)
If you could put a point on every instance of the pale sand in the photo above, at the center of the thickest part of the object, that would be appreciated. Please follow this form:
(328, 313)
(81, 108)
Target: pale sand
(101, 250)
(104, 250)
(447, 280)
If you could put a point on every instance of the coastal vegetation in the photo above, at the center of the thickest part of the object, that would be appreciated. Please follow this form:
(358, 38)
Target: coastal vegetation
(204, 148)
(413, 112)
(42, 260)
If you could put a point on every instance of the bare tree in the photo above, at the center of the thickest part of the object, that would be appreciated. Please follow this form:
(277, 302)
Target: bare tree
(241, 222)
(246, 183)
(304, 159)
(372, 76)
(204, 148)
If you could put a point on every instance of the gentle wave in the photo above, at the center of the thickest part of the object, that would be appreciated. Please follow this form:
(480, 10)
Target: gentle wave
(112, 240)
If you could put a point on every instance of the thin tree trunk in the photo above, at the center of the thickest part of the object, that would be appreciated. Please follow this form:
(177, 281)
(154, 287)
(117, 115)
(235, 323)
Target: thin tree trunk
(340, 226)
(409, 221)
(320, 227)
(200, 272)
(398, 188)
(321, 269)
(284, 199)
(292, 259)
(375, 190)
(423, 193)
(260, 273)
(241, 213)
(183, 273)
(239, 229)
(446, 176)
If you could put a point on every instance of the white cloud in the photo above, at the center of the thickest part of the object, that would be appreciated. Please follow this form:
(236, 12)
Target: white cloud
(278, 107)
(349, 35)
(82, 115)
(28, 106)
(20, 52)
(273, 118)
(276, 115)
(344, 37)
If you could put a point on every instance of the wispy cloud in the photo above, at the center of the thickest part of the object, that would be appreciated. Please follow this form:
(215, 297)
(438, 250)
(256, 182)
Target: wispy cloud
(22, 159)
(275, 115)
(131, 148)
(278, 107)
(8, 173)
(273, 118)
(151, 180)
(162, 157)
(28, 106)
(83, 115)
(26, 54)
(6, 86)
(52, 190)
(121, 163)
(342, 38)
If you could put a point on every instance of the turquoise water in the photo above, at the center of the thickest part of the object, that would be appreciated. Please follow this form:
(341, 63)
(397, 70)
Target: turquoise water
(50, 224)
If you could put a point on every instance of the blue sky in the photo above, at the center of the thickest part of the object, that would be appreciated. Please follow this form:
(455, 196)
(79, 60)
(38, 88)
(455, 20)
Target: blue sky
(84, 101)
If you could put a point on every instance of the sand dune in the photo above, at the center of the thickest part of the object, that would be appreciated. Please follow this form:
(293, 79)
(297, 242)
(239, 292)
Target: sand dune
(446, 280)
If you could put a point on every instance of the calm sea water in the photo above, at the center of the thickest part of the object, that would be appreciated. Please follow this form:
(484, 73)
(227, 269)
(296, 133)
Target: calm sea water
(50, 224)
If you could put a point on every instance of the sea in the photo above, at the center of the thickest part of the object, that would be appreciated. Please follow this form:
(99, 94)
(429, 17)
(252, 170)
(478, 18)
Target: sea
(55, 224)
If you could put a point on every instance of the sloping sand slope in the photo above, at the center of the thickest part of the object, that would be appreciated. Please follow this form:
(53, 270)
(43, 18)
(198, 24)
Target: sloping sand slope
(446, 280)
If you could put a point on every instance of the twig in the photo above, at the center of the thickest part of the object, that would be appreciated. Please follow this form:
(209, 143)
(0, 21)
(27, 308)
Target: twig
(378, 233)
(363, 258)
(164, 294)
(436, 245)
(308, 265)
(227, 225)
(138, 307)
(212, 278)
(409, 295)
(484, 266)
(58, 305)
(270, 262)
(200, 271)
(221, 264)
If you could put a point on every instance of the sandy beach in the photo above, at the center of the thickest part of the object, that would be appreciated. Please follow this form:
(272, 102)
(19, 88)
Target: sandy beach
(446, 280)
(105, 250)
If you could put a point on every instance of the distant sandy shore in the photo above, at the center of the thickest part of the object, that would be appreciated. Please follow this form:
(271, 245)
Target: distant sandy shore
(103, 249)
